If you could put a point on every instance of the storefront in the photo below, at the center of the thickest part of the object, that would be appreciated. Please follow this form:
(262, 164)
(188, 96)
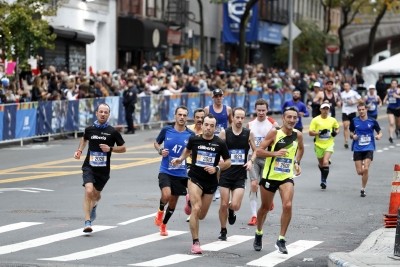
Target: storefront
(140, 40)
(69, 52)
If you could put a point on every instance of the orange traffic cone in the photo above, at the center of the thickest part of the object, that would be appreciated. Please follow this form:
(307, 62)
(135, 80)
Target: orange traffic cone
(390, 218)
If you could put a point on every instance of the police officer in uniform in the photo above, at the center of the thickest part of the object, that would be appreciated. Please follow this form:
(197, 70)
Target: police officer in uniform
(129, 101)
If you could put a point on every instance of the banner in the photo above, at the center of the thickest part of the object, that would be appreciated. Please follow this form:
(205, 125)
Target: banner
(232, 13)
(9, 119)
(72, 121)
(43, 120)
(26, 123)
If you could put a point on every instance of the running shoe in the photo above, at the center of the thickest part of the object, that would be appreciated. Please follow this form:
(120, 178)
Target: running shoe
(217, 194)
(93, 213)
(257, 244)
(163, 230)
(391, 140)
(363, 193)
(346, 146)
(222, 234)
(196, 248)
(231, 216)
(88, 227)
(323, 184)
(253, 221)
(188, 219)
(159, 217)
(281, 247)
(188, 206)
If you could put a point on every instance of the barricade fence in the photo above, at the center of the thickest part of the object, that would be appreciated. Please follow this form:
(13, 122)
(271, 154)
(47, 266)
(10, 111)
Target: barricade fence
(47, 118)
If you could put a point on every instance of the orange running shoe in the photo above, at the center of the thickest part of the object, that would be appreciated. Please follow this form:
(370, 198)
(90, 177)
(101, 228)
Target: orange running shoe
(253, 221)
(163, 230)
(159, 217)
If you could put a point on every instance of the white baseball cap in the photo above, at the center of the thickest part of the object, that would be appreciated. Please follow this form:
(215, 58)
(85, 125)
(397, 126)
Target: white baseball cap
(316, 84)
(325, 105)
(371, 86)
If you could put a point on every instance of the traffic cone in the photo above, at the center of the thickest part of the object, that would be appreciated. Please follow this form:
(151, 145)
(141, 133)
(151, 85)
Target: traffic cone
(390, 218)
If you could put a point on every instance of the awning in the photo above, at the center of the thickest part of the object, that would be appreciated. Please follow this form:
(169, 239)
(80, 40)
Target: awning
(72, 34)
(144, 34)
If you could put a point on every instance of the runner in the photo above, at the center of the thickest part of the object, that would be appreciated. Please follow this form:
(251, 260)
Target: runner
(283, 149)
(96, 168)
(171, 180)
(206, 150)
(233, 180)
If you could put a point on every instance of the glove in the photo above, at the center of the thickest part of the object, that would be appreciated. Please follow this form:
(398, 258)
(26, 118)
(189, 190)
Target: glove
(324, 131)
(333, 133)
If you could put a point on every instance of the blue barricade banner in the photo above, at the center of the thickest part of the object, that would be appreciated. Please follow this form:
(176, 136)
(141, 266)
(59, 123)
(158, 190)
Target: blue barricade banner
(43, 121)
(253, 96)
(174, 102)
(193, 103)
(2, 120)
(10, 114)
(145, 109)
(72, 121)
(232, 13)
(277, 102)
(26, 123)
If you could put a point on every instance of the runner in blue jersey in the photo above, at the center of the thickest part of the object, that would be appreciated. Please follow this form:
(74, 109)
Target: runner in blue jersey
(393, 109)
(172, 180)
(362, 132)
(301, 107)
(373, 102)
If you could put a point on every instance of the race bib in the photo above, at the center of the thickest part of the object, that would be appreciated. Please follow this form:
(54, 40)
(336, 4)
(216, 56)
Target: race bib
(98, 159)
(364, 140)
(237, 156)
(177, 167)
(325, 136)
(372, 107)
(258, 141)
(282, 165)
(392, 100)
(205, 158)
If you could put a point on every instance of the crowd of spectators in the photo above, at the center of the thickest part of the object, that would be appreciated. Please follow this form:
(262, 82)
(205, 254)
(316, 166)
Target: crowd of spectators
(167, 78)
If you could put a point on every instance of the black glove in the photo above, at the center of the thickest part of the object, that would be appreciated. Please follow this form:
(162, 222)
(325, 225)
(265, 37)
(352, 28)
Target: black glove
(333, 133)
(324, 131)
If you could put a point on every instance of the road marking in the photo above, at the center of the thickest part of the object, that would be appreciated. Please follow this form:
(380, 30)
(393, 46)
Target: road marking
(232, 241)
(27, 189)
(17, 226)
(115, 247)
(48, 240)
(275, 257)
(168, 260)
(137, 219)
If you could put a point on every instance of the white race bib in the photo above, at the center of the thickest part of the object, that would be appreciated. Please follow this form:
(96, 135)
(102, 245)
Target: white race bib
(364, 140)
(177, 167)
(205, 158)
(282, 165)
(237, 156)
(98, 159)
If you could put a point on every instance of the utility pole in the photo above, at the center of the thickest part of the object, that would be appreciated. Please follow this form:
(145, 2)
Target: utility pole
(290, 10)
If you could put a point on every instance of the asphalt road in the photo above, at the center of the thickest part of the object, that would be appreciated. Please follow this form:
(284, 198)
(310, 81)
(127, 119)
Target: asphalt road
(41, 218)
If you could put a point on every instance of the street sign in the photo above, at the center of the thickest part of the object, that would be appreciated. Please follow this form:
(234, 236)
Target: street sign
(295, 31)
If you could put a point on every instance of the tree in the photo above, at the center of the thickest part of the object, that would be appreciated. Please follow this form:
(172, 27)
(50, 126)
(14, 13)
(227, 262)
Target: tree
(23, 29)
(309, 47)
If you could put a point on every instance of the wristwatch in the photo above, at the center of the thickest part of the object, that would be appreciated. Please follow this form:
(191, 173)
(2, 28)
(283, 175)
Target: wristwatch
(160, 150)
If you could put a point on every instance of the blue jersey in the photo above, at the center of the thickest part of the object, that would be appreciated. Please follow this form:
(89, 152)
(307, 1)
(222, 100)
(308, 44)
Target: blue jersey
(365, 132)
(394, 102)
(222, 118)
(372, 104)
(175, 142)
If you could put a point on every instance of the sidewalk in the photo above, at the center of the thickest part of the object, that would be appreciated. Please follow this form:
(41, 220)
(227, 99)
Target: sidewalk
(376, 250)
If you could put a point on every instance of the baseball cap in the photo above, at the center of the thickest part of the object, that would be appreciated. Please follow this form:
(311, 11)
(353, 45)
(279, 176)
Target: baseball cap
(217, 91)
(329, 81)
(317, 84)
(371, 86)
(325, 105)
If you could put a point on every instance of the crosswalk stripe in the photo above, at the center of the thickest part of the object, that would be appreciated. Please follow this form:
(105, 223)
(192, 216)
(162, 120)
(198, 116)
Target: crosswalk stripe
(48, 239)
(232, 241)
(275, 257)
(28, 191)
(16, 226)
(126, 244)
(168, 260)
(137, 219)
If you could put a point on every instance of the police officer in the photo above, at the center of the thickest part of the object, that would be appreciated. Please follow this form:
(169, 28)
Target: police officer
(129, 101)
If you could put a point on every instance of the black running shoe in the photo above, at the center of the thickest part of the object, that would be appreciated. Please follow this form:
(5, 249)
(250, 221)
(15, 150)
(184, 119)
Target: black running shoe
(281, 247)
(363, 193)
(346, 146)
(222, 235)
(257, 244)
(231, 216)
(391, 140)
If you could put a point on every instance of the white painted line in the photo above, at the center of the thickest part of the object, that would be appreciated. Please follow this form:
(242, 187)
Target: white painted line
(126, 244)
(41, 189)
(168, 260)
(138, 219)
(232, 241)
(379, 151)
(391, 146)
(29, 191)
(275, 257)
(16, 226)
(397, 144)
(385, 148)
(48, 239)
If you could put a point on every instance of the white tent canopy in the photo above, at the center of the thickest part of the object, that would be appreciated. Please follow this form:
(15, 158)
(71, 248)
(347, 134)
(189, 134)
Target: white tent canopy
(389, 65)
